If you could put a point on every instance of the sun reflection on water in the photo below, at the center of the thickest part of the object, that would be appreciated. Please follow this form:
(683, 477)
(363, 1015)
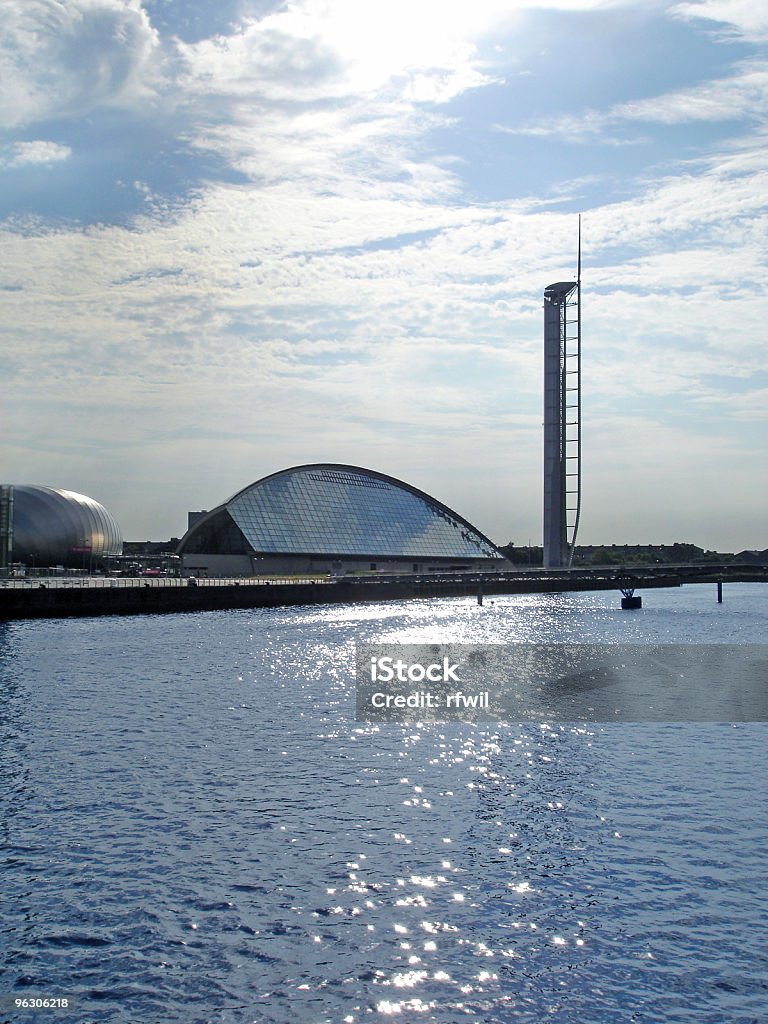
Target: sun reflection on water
(309, 867)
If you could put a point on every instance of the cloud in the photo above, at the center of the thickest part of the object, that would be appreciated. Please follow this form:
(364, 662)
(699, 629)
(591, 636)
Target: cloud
(349, 277)
(61, 59)
(310, 51)
(737, 97)
(742, 96)
(303, 291)
(747, 18)
(335, 92)
(252, 305)
(338, 91)
(23, 154)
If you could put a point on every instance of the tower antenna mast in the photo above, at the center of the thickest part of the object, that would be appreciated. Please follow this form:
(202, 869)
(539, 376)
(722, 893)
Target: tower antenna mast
(578, 403)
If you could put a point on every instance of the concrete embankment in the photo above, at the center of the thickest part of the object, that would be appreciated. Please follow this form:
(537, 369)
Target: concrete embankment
(57, 602)
(102, 597)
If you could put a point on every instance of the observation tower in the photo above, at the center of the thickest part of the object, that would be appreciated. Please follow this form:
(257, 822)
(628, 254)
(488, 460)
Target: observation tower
(562, 418)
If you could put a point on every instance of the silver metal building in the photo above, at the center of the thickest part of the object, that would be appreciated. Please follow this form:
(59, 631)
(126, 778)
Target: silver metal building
(562, 418)
(50, 527)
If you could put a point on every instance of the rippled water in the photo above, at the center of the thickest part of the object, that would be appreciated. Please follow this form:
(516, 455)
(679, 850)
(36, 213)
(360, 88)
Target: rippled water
(193, 828)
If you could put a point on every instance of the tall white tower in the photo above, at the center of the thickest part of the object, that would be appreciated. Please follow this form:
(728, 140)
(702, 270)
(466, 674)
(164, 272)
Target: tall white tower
(562, 418)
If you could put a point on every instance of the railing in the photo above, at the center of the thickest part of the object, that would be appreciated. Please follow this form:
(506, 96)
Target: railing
(111, 582)
(582, 573)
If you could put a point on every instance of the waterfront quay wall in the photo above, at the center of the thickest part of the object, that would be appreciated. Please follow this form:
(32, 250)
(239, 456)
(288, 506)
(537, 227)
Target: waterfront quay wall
(54, 599)
(141, 599)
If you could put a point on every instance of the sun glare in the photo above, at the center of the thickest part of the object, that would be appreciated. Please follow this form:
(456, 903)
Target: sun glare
(379, 42)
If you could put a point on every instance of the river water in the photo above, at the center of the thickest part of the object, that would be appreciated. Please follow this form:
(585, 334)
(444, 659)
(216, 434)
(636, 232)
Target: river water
(195, 828)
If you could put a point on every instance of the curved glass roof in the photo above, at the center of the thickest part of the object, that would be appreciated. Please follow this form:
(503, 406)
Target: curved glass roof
(338, 510)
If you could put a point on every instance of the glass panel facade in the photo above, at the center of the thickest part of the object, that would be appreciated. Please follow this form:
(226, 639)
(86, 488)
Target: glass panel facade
(340, 510)
(217, 535)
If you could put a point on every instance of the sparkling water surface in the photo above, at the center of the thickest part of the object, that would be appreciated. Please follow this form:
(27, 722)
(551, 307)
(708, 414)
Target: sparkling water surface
(194, 828)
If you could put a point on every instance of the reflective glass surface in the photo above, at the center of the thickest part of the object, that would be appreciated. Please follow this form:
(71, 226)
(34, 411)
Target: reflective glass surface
(344, 511)
(56, 527)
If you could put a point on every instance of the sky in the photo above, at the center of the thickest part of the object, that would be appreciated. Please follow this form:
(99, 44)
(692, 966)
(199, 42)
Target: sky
(244, 236)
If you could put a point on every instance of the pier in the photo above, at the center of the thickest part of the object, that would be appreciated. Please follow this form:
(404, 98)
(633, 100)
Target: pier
(36, 598)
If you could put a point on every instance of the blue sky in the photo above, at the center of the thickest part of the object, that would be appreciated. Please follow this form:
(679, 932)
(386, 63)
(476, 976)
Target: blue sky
(243, 236)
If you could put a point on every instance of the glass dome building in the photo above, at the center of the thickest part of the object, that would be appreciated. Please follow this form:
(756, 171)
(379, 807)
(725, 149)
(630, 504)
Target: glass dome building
(51, 527)
(333, 518)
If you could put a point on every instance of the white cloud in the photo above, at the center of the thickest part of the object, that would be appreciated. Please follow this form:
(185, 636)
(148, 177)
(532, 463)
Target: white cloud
(197, 341)
(742, 96)
(39, 151)
(281, 286)
(350, 274)
(312, 50)
(331, 89)
(747, 18)
(334, 92)
(69, 58)
(320, 49)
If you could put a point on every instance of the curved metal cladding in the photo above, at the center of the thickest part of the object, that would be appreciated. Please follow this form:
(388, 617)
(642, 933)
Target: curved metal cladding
(339, 510)
(55, 527)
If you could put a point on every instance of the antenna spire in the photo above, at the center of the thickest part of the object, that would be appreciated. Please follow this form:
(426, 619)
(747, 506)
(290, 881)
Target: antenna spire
(576, 509)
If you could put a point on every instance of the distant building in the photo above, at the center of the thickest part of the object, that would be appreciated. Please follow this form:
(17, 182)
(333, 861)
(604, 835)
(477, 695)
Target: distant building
(329, 518)
(51, 527)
